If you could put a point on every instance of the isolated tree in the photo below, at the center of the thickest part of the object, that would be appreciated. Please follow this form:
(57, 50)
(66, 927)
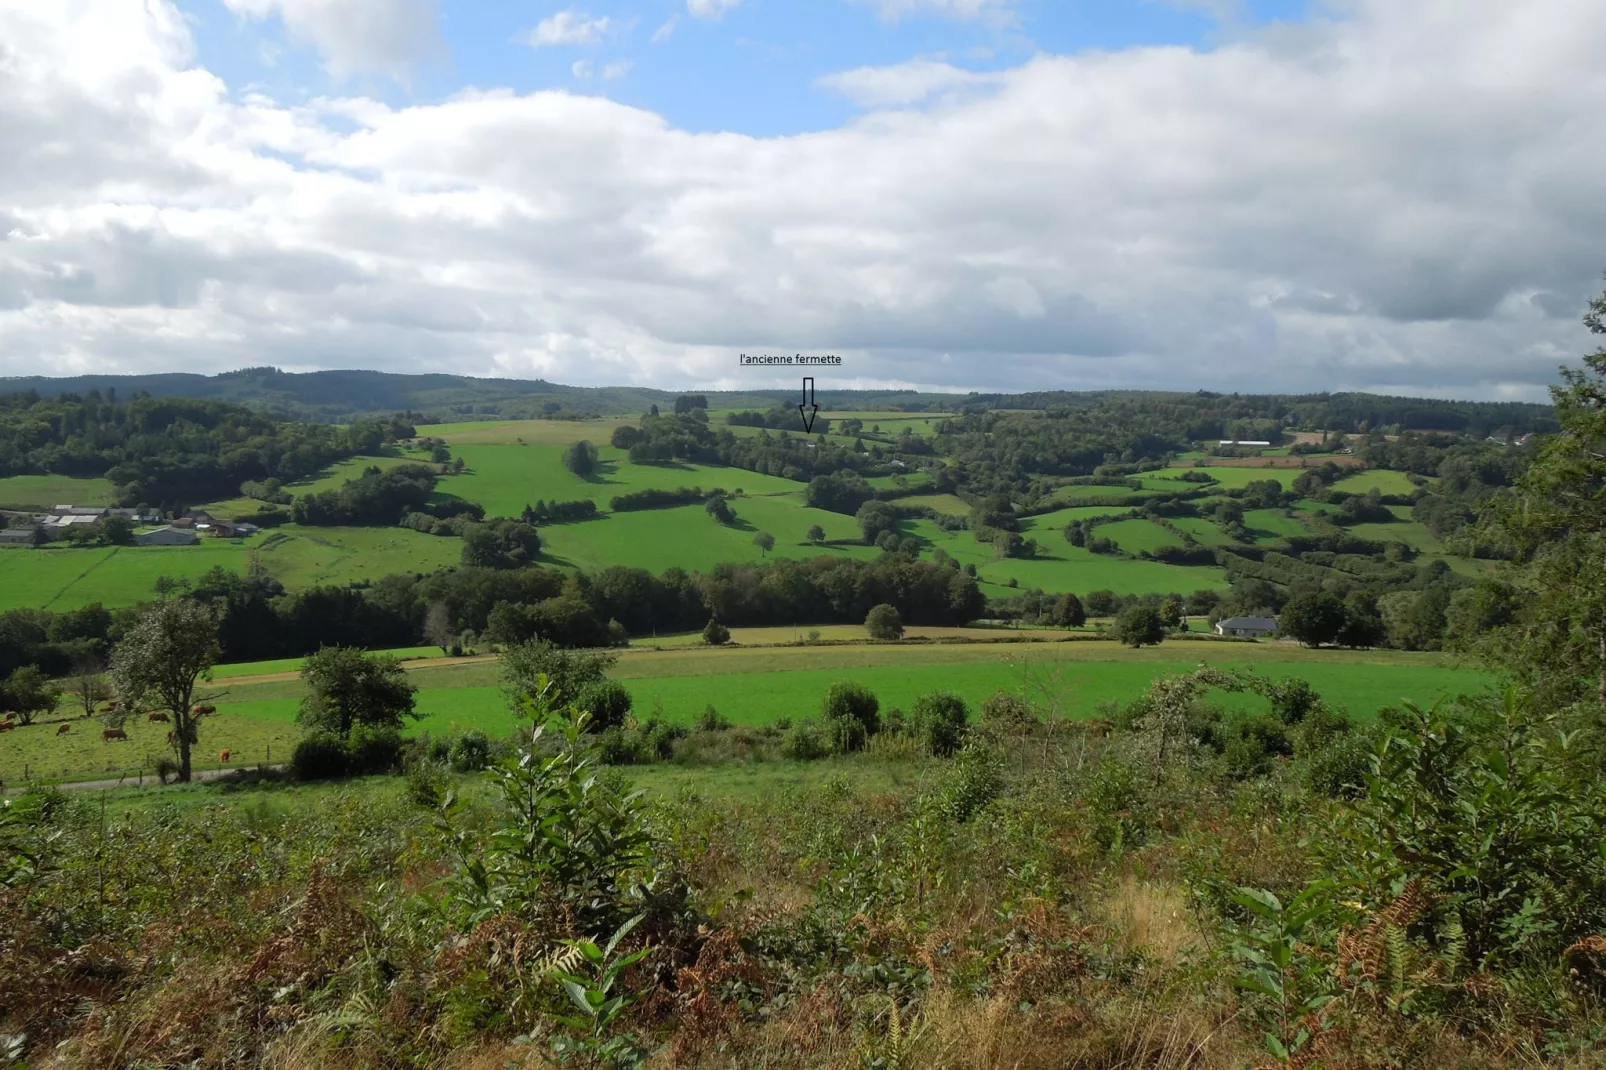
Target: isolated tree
(884, 622)
(764, 541)
(720, 509)
(171, 647)
(28, 692)
(1313, 619)
(438, 627)
(1171, 614)
(1139, 625)
(816, 534)
(566, 672)
(581, 458)
(1068, 611)
(347, 687)
(88, 685)
(117, 531)
(715, 633)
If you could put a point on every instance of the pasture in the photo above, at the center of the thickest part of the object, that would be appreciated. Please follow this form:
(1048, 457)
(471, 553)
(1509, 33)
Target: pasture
(757, 685)
(1384, 481)
(42, 492)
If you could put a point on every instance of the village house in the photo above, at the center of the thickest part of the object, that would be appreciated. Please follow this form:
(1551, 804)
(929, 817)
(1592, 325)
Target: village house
(1249, 627)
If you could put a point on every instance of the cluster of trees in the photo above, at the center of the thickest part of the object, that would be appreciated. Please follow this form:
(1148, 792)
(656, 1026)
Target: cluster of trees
(660, 499)
(782, 418)
(378, 496)
(169, 452)
(545, 512)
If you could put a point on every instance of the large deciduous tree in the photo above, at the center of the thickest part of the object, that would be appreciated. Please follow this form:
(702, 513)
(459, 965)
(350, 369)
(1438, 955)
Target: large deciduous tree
(347, 687)
(28, 692)
(169, 650)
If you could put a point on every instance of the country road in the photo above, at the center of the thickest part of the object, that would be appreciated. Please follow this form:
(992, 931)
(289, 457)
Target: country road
(134, 781)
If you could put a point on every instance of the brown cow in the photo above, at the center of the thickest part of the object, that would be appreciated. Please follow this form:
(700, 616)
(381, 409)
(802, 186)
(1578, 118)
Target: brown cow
(111, 734)
(6, 726)
(64, 729)
(162, 717)
(222, 755)
(172, 739)
(204, 711)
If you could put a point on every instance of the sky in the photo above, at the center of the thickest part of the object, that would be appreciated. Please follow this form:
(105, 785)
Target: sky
(1012, 195)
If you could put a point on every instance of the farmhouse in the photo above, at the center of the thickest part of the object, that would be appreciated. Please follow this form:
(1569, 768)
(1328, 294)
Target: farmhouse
(1247, 626)
(168, 536)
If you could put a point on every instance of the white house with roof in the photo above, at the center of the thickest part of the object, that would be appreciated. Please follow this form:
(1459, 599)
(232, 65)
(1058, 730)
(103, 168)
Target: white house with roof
(167, 536)
(1247, 627)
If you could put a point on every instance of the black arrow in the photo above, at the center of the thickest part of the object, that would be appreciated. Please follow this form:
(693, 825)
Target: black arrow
(808, 410)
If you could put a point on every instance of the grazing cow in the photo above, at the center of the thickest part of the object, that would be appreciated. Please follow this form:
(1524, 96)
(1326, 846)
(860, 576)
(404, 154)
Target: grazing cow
(6, 726)
(204, 711)
(111, 734)
(64, 729)
(172, 739)
(162, 717)
(222, 755)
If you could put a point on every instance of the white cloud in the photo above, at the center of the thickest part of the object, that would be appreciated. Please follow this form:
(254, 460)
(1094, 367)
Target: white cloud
(617, 69)
(569, 27)
(388, 37)
(710, 9)
(905, 83)
(997, 12)
(1406, 199)
(582, 68)
(666, 31)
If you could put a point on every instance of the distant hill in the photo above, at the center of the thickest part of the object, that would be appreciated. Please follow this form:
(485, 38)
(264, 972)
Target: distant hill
(341, 396)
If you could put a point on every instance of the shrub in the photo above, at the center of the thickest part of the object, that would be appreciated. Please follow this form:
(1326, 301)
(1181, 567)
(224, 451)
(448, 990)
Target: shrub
(805, 743)
(851, 713)
(1259, 740)
(320, 756)
(939, 722)
(711, 720)
(1007, 710)
(1338, 768)
(715, 633)
(883, 622)
(976, 779)
(608, 703)
(471, 752)
(427, 783)
(165, 769)
(374, 749)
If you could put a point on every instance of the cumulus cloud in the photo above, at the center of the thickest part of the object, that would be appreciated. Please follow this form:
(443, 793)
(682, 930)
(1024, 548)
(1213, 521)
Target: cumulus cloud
(388, 37)
(710, 9)
(1402, 199)
(904, 83)
(569, 27)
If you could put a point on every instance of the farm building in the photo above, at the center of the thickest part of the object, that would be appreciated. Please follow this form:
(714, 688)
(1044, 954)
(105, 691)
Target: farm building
(1244, 442)
(168, 536)
(17, 536)
(1253, 627)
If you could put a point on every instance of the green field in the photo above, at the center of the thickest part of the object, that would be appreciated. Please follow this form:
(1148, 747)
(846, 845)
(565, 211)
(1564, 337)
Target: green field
(1384, 480)
(1050, 524)
(949, 504)
(512, 432)
(1135, 536)
(506, 478)
(1205, 532)
(1272, 524)
(1233, 477)
(754, 685)
(43, 492)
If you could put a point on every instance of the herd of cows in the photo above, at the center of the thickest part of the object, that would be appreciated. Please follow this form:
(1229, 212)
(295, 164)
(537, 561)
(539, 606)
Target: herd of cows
(9, 723)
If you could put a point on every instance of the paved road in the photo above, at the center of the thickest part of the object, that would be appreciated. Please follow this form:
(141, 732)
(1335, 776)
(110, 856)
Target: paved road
(13, 788)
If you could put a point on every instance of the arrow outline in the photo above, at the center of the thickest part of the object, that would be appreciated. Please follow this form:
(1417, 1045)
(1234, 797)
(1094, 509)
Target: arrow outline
(808, 402)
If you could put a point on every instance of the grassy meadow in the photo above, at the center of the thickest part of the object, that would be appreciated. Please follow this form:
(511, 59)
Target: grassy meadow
(755, 685)
(43, 492)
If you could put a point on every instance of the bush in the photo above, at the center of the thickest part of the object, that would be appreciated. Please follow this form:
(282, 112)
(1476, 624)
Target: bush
(1338, 768)
(320, 756)
(471, 752)
(166, 768)
(711, 720)
(374, 749)
(976, 779)
(851, 712)
(715, 633)
(608, 703)
(805, 743)
(1007, 710)
(939, 722)
(1259, 740)
(883, 622)
(427, 783)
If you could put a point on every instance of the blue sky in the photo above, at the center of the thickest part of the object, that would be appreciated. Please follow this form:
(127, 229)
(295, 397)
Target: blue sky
(753, 70)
